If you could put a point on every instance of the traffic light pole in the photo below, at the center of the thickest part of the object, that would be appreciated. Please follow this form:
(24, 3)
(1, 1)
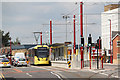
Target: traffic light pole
(81, 50)
(100, 52)
(90, 44)
(90, 56)
(97, 59)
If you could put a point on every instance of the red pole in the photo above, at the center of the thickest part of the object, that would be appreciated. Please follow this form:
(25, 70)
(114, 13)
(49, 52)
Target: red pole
(110, 44)
(81, 28)
(102, 62)
(93, 50)
(41, 38)
(100, 53)
(81, 50)
(50, 37)
(74, 36)
(81, 18)
(90, 56)
(50, 32)
(10, 51)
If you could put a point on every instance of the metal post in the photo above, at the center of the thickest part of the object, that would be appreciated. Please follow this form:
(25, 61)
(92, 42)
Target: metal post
(110, 43)
(81, 50)
(50, 32)
(41, 38)
(50, 37)
(81, 28)
(10, 51)
(81, 18)
(97, 59)
(90, 56)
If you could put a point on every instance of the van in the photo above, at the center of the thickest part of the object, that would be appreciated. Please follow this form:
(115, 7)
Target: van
(17, 57)
(21, 62)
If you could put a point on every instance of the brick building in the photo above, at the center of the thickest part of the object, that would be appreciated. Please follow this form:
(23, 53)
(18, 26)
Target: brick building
(116, 47)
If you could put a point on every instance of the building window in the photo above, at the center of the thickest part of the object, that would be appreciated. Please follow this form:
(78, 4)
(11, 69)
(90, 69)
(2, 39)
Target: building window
(118, 56)
(118, 43)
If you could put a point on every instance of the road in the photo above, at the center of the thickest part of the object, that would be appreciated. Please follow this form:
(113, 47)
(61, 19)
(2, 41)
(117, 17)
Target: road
(49, 73)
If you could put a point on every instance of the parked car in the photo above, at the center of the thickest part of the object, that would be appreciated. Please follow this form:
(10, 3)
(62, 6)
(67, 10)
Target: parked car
(5, 62)
(20, 62)
(2, 56)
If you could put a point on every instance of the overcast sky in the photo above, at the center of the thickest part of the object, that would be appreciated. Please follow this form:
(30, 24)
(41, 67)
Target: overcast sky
(21, 19)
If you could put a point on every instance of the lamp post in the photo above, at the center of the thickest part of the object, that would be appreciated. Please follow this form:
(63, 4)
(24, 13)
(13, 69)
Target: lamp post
(66, 17)
(110, 43)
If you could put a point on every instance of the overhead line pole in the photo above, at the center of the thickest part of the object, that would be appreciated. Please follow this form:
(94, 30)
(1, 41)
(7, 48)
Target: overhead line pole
(41, 38)
(74, 36)
(81, 32)
(50, 37)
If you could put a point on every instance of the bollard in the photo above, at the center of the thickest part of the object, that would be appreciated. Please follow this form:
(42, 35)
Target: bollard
(69, 64)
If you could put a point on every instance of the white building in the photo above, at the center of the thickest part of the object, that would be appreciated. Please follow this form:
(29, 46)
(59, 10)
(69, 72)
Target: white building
(110, 12)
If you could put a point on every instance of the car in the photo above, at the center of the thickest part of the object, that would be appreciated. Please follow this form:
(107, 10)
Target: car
(2, 56)
(20, 62)
(5, 62)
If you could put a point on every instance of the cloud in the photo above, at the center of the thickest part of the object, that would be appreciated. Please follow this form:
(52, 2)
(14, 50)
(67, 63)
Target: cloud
(23, 18)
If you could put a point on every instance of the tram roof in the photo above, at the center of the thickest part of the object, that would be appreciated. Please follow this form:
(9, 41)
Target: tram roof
(35, 47)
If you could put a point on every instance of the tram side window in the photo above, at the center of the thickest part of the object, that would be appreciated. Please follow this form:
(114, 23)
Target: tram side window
(35, 52)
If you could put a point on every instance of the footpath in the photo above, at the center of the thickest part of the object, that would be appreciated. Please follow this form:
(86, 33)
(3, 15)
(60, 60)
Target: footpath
(109, 70)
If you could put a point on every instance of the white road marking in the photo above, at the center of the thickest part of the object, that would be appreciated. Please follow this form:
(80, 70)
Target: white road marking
(72, 71)
(29, 74)
(56, 75)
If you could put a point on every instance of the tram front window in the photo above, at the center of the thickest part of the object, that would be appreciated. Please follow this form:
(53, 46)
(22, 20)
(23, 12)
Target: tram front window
(43, 54)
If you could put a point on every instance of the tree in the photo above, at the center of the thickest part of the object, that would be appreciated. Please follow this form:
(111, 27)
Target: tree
(5, 38)
(17, 42)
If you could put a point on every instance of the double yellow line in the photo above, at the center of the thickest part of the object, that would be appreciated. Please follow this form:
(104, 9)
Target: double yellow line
(2, 77)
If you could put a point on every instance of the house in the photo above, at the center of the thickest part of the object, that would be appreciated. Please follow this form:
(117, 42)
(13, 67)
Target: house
(116, 47)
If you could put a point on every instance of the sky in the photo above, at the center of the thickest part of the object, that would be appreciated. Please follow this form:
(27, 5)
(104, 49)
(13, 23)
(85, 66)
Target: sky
(21, 19)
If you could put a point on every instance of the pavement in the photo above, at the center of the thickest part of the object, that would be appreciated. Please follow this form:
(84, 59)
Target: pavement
(110, 70)
(58, 73)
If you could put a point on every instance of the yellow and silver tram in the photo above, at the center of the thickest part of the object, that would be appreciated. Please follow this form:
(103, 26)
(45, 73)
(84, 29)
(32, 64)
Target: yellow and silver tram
(39, 55)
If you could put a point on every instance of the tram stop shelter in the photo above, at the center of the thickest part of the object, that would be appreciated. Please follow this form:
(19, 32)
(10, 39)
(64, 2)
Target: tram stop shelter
(59, 52)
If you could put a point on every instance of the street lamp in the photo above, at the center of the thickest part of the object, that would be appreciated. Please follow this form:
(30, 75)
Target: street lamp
(66, 17)
(110, 42)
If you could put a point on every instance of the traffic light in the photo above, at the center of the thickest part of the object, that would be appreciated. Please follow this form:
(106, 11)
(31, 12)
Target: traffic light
(99, 42)
(89, 40)
(82, 41)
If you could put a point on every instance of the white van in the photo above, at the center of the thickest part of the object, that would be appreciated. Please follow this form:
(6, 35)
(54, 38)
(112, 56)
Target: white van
(18, 57)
